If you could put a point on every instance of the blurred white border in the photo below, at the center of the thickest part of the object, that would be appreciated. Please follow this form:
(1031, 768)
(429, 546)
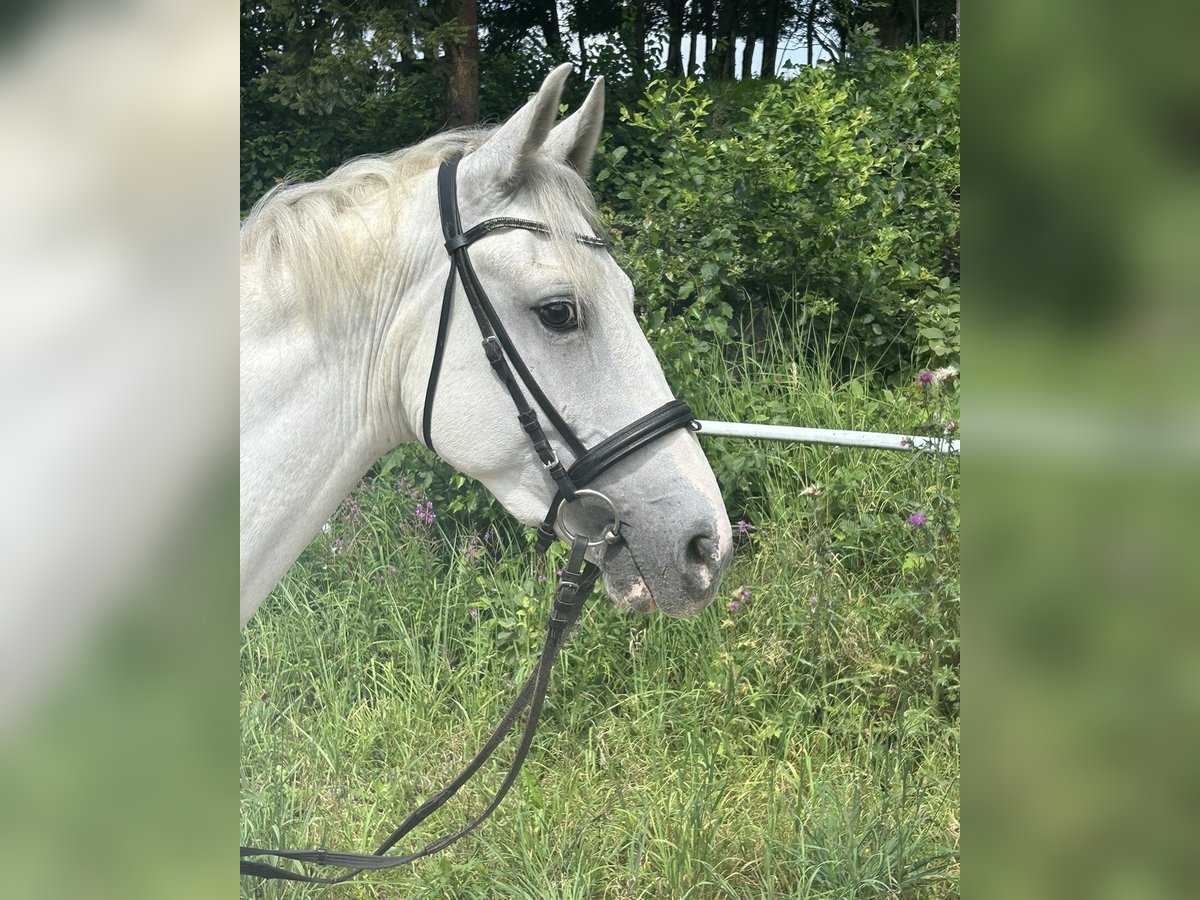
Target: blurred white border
(118, 359)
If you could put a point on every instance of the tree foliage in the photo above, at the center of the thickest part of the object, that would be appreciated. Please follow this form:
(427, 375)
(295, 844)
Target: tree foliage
(324, 80)
(829, 200)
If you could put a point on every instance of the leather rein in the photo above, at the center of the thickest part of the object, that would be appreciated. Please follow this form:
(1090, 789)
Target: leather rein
(578, 576)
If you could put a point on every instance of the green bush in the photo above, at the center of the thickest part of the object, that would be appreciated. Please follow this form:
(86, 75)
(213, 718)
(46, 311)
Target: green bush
(830, 200)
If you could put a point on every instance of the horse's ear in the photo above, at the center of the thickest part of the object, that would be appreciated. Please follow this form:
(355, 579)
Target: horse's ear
(507, 155)
(576, 137)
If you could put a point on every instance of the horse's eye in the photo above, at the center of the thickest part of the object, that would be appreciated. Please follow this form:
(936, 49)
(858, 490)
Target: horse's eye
(558, 315)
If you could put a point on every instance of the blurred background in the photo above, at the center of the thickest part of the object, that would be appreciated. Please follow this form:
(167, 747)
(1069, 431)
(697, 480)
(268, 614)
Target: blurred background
(1082, 678)
(118, 357)
(118, 467)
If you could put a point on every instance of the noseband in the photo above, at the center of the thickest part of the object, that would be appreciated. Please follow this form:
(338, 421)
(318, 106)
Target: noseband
(578, 576)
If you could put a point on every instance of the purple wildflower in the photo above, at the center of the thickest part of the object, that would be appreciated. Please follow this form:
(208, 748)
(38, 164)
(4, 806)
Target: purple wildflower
(916, 520)
(744, 527)
(925, 377)
(744, 594)
(473, 548)
(336, 546)
(734, 606)
(425, 515)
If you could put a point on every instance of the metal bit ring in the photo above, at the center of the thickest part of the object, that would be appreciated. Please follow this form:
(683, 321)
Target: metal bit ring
(612, 533)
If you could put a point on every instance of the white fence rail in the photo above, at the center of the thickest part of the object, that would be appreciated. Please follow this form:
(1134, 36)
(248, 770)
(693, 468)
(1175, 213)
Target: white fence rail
(873, 439)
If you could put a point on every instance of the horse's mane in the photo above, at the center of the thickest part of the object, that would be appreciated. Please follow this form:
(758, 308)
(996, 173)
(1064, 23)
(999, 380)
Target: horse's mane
(321, 234)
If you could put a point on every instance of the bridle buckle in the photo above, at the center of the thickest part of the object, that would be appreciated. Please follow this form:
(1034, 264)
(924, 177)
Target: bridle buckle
(492, 349)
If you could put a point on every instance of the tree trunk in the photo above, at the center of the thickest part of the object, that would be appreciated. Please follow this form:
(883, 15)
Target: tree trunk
(844, 32)
(809, 26)
(583, 58)
(770, 41)
(695, 29)
(552, 31)
(640, 22)
(894, 22)
(731, 40)
(462, 55)
(720, 63)
(633, 35)
(748, 56)
(837, 54)
(675, 10)
(709, 28)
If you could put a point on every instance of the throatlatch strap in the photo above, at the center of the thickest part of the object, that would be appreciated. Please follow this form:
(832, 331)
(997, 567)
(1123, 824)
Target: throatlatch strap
(439, 350)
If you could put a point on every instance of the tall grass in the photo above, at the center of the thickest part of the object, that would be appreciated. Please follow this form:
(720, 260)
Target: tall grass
(798, 739)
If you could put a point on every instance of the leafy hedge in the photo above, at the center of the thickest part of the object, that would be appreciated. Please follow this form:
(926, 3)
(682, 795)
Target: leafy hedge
(830, 201)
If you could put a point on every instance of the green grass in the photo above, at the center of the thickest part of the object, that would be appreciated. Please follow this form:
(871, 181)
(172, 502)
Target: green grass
(803, 746)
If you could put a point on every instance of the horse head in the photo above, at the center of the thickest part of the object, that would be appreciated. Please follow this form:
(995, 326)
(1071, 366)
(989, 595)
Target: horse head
(568, 309)
(565, 307)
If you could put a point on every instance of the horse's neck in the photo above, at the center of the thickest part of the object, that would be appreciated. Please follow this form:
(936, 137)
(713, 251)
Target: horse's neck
(308, 433)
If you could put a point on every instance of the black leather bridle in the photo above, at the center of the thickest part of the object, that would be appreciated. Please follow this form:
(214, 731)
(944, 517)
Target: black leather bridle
(589, 463)
(578, 576)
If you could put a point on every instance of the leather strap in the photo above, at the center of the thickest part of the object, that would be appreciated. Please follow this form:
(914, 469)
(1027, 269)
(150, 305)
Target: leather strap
(439, 350)
(574, 586)
(471, 235)
(504, 358)
(489, 322)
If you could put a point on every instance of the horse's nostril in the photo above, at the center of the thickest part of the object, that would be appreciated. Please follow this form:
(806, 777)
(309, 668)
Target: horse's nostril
(702, 551)
(701, 560)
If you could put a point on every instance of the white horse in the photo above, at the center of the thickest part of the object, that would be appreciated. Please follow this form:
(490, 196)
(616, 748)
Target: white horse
(342, 281)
